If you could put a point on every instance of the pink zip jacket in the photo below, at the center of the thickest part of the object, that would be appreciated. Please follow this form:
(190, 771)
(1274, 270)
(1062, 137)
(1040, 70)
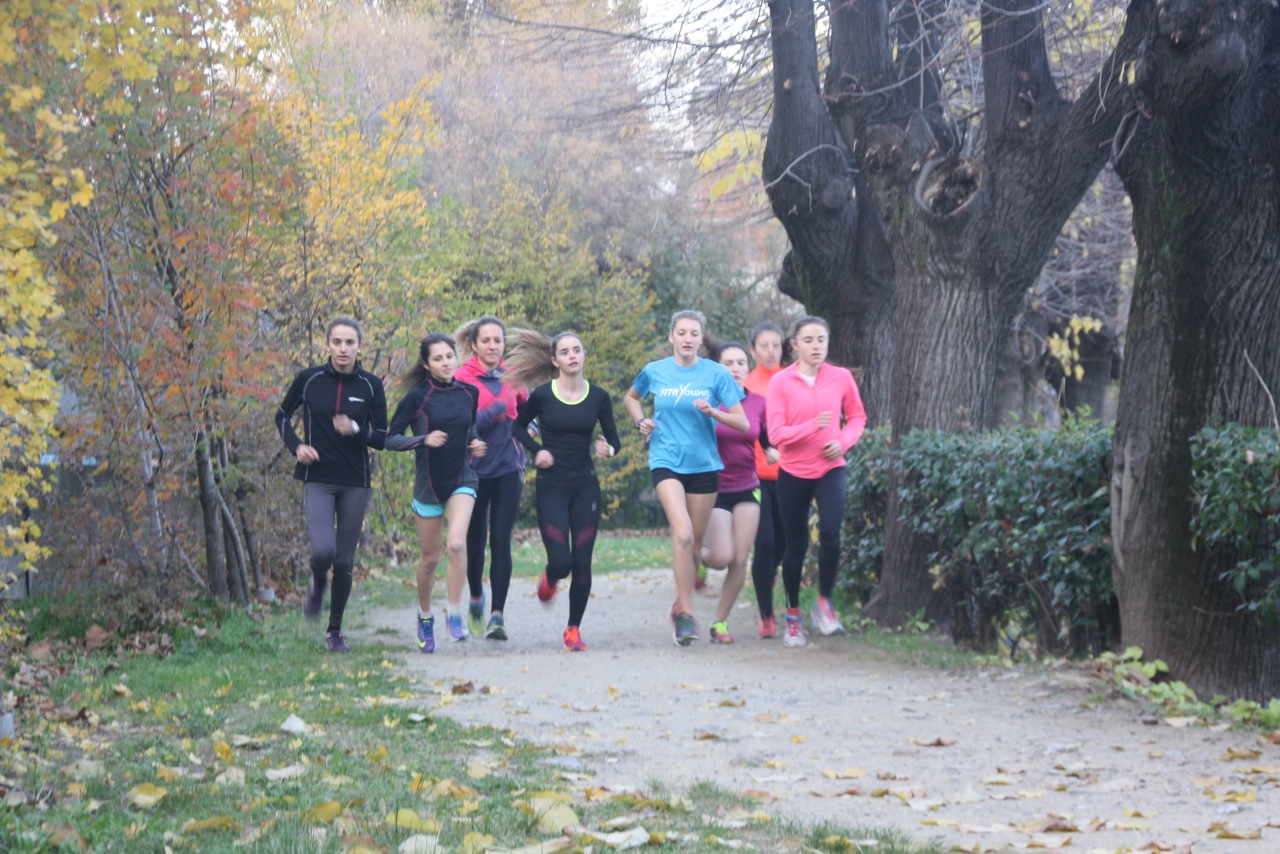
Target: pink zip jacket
(792, 418)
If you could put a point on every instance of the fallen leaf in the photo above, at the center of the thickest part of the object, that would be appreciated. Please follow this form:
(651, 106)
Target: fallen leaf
(218, 822)
(845, 774)
(360, 843)
(291, 772)
(553, 816)
(146, 795)
(96, 637)
(231, 777)
(410, 820)
(1246, 796)
(323, 813)
(476, 843)
(463, 688)
(419, 844)
(933, 742)
(84, 769)
(1235, 753)
(1228, 833)
(294, 725)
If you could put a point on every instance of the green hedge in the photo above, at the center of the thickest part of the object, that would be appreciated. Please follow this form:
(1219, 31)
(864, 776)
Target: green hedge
(1019, 522)
(1020, 525)
(1237, 495)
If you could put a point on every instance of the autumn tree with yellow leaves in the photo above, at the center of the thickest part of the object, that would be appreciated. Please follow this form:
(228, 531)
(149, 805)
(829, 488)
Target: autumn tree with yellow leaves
(37, 186)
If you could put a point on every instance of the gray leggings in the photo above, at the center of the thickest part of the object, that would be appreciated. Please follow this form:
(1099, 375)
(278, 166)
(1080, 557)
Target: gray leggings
(335, 515)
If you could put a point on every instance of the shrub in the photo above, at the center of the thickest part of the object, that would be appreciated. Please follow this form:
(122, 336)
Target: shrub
(1236, 489)
(1019, 521)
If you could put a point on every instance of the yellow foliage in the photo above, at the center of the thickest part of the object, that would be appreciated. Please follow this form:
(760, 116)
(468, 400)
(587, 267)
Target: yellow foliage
(353, 247)
(32, 179)
(1065, 346)
(736, 159)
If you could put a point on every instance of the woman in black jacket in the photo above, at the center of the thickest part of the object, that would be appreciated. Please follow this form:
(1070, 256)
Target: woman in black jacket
(441, 413)
(344, 413)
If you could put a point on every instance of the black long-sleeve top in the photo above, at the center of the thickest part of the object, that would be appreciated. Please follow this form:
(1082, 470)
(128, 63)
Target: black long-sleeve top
(567, 430)
(323, 392)
(433, 405)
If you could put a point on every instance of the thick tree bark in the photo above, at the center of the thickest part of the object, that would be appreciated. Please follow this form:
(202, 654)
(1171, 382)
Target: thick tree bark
(1200, 159)
(839, 265)
(969, 226)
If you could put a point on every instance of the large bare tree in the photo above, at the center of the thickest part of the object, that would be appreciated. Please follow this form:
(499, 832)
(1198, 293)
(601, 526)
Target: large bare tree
(899, 203)
(1199, 153)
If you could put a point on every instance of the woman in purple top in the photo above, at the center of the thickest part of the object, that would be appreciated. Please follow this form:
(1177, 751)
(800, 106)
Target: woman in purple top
(732, 529)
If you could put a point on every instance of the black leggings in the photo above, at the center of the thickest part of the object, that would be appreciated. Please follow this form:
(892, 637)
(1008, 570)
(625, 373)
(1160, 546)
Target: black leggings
(794, 496)
(568, 515)
(493, 519)
(769, 547)
(335, 515)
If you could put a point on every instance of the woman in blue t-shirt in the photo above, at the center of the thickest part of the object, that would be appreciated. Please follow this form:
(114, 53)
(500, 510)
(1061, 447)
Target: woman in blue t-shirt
(688, 393)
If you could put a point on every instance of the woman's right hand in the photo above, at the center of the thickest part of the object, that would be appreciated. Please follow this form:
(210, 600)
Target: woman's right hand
(436, 439)
(544, 459)
(306, 454)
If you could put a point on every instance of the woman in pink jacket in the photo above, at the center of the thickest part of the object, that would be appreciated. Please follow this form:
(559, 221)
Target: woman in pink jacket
(814, 416)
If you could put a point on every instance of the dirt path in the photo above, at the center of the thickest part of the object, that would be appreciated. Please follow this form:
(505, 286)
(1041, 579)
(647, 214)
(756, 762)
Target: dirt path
(972, 759)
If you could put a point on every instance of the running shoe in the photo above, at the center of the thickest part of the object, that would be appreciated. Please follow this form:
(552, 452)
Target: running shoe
(720, 633)
(768, 627)
(336, 642)
(685, 629)
(700, 583)
(457, 628)
(313, 601)
(427, 634)
(475, 616)
(496, 630)
(573, 640)
(794, 634)
(824, 617)
(546, 590)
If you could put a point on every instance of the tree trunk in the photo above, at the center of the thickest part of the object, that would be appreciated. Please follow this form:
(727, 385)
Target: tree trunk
(970, 222)
(1199, 158)
(215, 555)
(839, 265)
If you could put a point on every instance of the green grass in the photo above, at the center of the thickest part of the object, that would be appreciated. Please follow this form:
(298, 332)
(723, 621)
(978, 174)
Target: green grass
(611, 554)
(192, 721)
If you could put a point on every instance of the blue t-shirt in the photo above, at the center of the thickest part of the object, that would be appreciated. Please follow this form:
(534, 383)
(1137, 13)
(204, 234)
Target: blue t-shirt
(685, 439)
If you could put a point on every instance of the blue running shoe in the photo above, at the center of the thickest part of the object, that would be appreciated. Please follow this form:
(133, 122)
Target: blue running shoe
(457, 628)
(427, 634)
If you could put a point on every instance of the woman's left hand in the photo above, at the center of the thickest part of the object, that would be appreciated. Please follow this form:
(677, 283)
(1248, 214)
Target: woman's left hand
(703, 407)
(771, 456)
(832, 449)
(602, 447)
(477, 447)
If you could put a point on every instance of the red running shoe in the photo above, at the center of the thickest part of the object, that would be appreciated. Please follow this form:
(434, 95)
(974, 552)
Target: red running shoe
(573, 640)
(546, 590)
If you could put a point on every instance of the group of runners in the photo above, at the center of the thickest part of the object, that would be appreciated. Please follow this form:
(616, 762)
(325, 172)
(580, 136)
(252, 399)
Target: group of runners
(737, 459)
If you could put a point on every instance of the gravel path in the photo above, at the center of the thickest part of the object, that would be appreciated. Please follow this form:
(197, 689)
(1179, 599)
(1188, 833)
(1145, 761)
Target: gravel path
(986, 759)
